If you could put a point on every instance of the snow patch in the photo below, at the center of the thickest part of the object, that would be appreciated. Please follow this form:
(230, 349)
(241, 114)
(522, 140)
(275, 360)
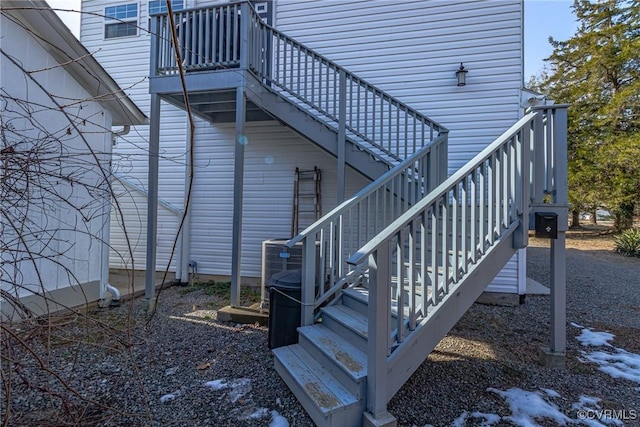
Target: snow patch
(278, 420)
(527, 406)
(169, 397)
(252, 413)
(216, 384)
(551, 393)
(489, 419)
(575, 325)
(620, 364)
(171, 371)
(239, 388)
(461, 420)
(616, 362)
(597, 339)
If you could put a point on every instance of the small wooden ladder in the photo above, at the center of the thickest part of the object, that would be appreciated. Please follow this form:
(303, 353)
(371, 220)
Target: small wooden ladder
(306, 199)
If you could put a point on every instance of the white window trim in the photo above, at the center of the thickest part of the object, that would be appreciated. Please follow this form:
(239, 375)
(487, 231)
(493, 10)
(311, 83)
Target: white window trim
(107, 21)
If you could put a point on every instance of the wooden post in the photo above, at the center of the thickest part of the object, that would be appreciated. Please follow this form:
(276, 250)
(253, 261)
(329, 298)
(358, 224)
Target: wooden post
(152, 198)
(238, 189)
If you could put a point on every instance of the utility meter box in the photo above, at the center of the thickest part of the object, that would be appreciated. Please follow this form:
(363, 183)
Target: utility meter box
(546, 225)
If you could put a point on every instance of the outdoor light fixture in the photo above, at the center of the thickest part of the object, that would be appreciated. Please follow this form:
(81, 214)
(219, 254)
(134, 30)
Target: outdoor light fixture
(461, 74)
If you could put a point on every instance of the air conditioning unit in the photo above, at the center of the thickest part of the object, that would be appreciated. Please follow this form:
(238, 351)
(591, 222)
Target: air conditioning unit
(275, 258)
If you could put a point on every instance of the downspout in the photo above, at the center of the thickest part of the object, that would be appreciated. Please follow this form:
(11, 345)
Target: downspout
(125, 131)
(115, 293)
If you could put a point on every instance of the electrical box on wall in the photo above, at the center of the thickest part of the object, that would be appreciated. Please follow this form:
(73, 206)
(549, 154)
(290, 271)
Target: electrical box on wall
(546, 225)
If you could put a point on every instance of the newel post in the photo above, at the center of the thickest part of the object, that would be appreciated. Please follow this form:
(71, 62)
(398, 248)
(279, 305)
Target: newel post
(379, 315)
(558, 342)
(308, 280)
(155, 51)
(245, 17)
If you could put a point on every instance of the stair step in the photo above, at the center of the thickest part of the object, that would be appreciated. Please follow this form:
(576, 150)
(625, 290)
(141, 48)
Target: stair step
(338, 356)
(348, 323)
(356, 298)
(324, 398)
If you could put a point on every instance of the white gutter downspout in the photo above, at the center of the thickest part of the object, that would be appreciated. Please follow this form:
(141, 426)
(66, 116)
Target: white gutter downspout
(125, 131)
(106, 233)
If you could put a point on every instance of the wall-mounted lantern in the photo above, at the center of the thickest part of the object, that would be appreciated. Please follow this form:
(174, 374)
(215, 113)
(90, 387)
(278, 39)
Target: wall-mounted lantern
(461, 74)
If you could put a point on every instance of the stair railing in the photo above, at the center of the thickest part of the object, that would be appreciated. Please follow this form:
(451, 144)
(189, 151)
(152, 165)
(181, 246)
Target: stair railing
(369, 113)
(418, 261)
(212, 38)
(330, 241)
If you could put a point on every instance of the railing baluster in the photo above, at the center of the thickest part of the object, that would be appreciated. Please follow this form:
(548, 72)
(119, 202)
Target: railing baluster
(454, 234)
(400, 286)
(444, 209)
(411, 274)
(498, 192)
(340, 248)
(464, 208)
(434, 230)
(424, 282)
(291, 66)
(491, 201)
(482, 207)
(473, 232)
(405, 136)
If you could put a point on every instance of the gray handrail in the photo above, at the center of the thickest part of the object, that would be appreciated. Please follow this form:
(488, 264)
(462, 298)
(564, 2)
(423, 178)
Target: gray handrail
(371, 188)
(392, 229)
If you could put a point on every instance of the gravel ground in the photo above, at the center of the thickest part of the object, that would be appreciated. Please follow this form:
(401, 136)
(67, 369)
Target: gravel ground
(132, 371)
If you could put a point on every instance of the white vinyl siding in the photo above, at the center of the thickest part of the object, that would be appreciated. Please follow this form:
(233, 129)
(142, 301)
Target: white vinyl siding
(67, 221)
(410, 49)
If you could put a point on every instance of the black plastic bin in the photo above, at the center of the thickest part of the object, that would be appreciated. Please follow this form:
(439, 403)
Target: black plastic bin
(285, 292)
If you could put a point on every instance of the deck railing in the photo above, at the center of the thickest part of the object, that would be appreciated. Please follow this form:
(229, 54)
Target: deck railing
(368, 112)
(208, 39)
(418, 261)
(212, 38)
(345, 229)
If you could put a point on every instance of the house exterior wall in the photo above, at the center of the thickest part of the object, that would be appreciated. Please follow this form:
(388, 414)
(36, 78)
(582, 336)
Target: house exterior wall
(411, 49)
(63, 238)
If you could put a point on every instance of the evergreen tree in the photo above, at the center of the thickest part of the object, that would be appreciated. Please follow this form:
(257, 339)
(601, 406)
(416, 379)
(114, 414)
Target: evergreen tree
(597, 71)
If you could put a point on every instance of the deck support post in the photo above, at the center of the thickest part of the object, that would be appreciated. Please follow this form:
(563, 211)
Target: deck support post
(238, 189)
(184, 240)
(558, 343)
(152, 199)
(556, 122)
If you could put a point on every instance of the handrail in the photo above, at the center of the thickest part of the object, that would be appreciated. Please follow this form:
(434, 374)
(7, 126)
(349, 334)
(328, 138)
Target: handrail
(420, 261)
(445, 187)
(371, 114)
(328, 242)
(437, 144)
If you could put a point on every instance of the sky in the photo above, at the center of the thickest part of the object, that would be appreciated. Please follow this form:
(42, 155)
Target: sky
(543, 18)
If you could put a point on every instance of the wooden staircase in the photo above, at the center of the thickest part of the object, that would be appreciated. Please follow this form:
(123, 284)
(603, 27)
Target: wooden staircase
(442, 238)
(327, 369)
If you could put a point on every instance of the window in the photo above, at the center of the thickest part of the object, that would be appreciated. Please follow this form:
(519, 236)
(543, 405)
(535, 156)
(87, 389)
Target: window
(160, 6)
(121, 21)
